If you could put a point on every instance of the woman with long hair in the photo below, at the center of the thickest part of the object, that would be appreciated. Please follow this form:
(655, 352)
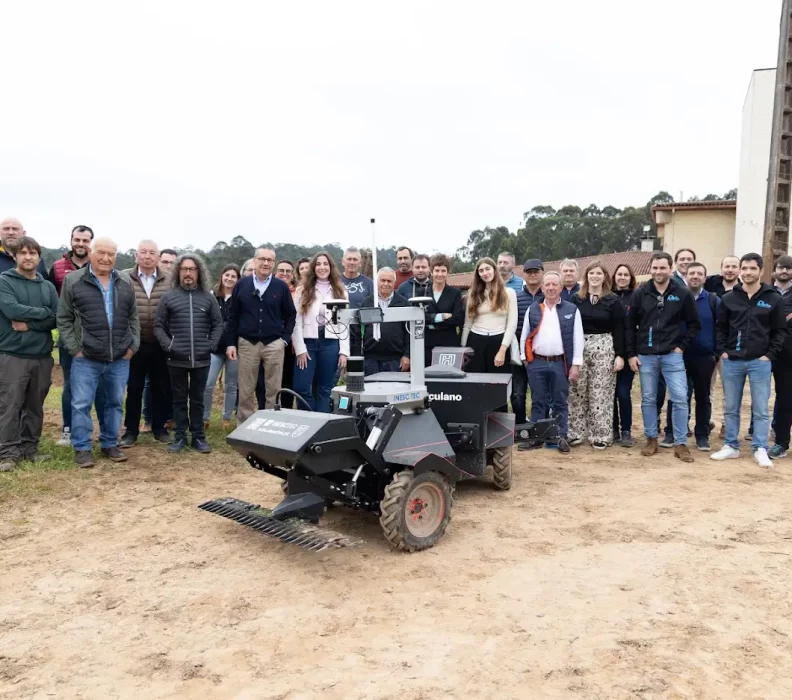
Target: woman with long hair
(591, 396)
(624, 284)
(445, 313)
(491, 320)
(229, 276)
(319, 345)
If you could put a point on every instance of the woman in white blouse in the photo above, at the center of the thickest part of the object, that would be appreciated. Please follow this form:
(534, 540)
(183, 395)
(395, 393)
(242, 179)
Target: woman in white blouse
(320, 346)
(491, 320)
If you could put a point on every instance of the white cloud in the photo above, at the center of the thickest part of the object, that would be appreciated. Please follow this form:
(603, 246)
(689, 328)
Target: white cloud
(194, 121)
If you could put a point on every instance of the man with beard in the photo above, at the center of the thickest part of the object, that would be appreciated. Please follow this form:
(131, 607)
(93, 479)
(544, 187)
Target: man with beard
(75, 259)
(11, 230)
(728, 278)
(403, 265)
(189, 326)
(28, 304)
(418, 285)
(782, 365)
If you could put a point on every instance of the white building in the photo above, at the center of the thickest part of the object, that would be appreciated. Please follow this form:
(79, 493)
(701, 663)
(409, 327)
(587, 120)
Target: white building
(757, 122)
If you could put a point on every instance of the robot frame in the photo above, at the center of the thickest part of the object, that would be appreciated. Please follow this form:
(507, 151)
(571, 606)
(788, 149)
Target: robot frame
(395, 444)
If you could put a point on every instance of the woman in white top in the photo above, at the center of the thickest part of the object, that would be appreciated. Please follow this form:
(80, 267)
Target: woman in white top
(491, 320)
(320, 347)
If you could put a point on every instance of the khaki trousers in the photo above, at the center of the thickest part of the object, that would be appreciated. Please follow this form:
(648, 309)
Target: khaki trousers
(251, 355)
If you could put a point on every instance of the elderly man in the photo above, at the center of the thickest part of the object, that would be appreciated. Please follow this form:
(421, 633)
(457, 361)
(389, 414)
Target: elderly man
(569, 279)
(150, 282)
(506, 263)
(551, 345)
(28, 304)
(98, 324)
(260, 323)
(11, 230)
(189, 327)
(386, 346)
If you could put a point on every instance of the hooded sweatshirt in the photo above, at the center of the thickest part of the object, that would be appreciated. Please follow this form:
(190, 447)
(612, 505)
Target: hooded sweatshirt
(749, 328)
(33, 301)
(413, 288)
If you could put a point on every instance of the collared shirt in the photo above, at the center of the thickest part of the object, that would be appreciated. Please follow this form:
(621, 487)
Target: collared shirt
(107, 294)
(261, 286)
(548, 341)
(147, 281)
(384, 303)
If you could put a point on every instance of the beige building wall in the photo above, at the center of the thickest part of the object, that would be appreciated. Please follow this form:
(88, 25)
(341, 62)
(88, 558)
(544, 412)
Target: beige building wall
(709, 232)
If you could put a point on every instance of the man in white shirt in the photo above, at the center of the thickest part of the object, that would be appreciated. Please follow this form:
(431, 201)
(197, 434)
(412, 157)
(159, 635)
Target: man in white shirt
(552, 348)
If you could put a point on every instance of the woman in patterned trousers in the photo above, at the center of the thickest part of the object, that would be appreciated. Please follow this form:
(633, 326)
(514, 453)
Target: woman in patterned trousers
(591, 397)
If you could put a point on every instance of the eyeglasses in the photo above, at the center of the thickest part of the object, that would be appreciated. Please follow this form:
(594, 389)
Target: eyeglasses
(189, 269)
(660, 302)
(270, 260)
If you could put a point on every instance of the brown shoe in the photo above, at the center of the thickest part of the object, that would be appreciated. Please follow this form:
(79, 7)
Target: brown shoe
(650, 448)
(682, 452)
(84, 459)
(114, 454)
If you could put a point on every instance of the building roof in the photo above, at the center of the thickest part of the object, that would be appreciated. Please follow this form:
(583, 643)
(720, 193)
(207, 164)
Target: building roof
(715, 204)
(639, 261)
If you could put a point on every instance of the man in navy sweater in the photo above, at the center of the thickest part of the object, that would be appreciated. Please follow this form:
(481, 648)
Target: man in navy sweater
(700, 357)
(260, 322)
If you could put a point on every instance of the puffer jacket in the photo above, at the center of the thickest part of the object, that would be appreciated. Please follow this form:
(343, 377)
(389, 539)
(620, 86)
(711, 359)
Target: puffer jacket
(147, 305)
(82, 319)
(189, 326)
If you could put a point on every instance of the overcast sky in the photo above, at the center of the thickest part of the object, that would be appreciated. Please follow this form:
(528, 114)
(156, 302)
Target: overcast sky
(193, 122)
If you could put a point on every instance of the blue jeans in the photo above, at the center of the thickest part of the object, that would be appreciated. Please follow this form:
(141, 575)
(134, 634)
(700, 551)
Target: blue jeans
(371, 365)
(622, 402)
(549, 390)
(322, 363)
(65, 361)
(733, 377)
(85, 377)
(672, 368)
(229, 385)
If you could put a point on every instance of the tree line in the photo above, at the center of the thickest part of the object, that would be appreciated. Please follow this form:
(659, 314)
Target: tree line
(546, 233)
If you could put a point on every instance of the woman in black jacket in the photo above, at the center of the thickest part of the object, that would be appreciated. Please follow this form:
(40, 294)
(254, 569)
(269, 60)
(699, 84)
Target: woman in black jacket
(445, 314)
(624, 284)
(591, 396)
(222, 292)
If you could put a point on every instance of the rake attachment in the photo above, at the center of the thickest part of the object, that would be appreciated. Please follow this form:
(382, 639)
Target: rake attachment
(293, 531)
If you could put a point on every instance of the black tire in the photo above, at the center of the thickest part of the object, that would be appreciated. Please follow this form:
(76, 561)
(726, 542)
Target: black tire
(502, 468)
(409, 522)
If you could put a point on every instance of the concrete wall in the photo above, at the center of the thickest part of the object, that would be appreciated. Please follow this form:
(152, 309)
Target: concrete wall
(757, 121)
(709, 232)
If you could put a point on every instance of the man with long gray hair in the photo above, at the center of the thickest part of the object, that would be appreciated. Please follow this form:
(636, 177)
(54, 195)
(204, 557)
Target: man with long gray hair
(189, 326)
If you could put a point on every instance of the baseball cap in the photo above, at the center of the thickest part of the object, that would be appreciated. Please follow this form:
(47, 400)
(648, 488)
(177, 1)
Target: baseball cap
(533, 264)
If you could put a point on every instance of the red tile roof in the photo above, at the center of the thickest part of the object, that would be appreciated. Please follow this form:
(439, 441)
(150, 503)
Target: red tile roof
(716, 204)
(636, 259)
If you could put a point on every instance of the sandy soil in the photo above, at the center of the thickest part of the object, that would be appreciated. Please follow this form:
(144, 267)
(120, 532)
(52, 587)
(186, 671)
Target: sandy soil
(599, 575)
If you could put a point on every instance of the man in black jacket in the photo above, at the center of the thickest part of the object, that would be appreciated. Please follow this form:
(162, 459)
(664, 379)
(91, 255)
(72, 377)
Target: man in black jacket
(386, 346)
(189, 327)
(662, 322)
(98, 325)
(751, 332)
(782, 366)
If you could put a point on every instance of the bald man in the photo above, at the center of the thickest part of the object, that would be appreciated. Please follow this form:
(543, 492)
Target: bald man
(11, 230)
(150, 282)
(98, 324)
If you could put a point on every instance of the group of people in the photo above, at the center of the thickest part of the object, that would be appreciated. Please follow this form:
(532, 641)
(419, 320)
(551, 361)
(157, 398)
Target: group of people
(151, 342)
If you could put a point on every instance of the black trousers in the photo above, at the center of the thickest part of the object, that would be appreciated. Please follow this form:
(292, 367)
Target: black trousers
(188, 383)
(699, 380)
(782, 373)
(519, 392)
(148, 360)
(485, 347)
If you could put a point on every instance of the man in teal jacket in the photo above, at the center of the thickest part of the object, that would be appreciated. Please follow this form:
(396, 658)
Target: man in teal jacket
(28, 305)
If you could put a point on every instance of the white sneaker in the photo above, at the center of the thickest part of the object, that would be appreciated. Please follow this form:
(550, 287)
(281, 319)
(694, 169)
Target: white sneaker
(65, 438)
(725, 452)
(761, 458)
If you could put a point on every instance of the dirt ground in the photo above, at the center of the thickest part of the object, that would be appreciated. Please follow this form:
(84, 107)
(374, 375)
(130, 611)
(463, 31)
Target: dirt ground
(599, 575)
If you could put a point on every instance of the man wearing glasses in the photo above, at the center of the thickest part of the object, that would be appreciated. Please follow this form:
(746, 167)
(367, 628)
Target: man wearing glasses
(260, 322)
(662, 322)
